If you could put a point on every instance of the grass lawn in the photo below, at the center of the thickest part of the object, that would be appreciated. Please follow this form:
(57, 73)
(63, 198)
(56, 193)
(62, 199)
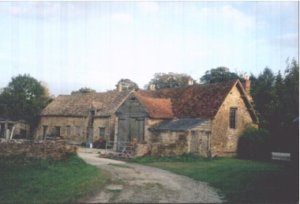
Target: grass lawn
(46, 181)
(237, 180)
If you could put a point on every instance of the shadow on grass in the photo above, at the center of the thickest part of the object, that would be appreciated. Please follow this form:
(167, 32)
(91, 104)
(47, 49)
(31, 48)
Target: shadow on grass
(239, 180)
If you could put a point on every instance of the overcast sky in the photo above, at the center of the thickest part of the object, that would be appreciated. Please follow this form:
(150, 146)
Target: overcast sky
(69, 45)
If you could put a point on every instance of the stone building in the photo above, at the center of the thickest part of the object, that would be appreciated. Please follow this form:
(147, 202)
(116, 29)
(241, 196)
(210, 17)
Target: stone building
(201, 119)
(81, 118)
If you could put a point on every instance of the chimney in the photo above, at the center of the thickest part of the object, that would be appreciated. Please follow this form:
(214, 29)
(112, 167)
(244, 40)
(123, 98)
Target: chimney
(191, 82)
(152, 87)
(119, 87)
(247, 85)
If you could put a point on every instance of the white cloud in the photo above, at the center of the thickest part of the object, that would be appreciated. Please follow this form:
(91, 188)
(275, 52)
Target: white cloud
(122, 18)
(31, 9)
(286, 40)
(148, 7)
(226, 16)
(42, 9)
(275, 8)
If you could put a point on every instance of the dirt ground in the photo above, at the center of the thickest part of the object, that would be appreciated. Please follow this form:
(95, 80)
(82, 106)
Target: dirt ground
(143, 184)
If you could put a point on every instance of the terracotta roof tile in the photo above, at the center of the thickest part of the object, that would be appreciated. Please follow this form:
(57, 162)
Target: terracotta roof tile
(197, 101)
(156, 107)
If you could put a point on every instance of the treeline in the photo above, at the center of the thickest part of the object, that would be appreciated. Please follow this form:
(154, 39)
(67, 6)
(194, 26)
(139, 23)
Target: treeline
(276, 98)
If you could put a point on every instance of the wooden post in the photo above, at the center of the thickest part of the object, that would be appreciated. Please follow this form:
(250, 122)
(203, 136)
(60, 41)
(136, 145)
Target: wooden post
(12, 132)
(6, 130)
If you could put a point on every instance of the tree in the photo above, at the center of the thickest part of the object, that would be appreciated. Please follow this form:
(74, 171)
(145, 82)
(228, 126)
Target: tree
(291, 83)
(218, 74)
(83, 90)
(262, 91)
(23, 99)
(276, 98)
(170, 80)
(126, 84)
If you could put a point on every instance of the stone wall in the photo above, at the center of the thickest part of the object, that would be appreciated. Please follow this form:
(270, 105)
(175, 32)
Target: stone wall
(56, 150)
(150, 136)
(169, 143)
(74, 129)
(224, 139)
(108, 124)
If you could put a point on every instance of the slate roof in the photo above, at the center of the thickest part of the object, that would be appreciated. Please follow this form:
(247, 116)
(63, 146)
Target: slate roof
(105, 104)
(197, 101)
(178, 124)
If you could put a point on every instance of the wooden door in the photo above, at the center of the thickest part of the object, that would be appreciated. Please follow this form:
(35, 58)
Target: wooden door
(199, 142)
(122, 133)
(136, 129)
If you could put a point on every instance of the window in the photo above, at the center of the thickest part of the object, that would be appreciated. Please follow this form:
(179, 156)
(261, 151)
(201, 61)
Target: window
(232, 118)
(68, 130)
(45, 127)
(101, 131)
(57, 131)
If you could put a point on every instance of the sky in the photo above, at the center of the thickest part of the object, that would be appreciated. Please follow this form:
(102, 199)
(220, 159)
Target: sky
(70, 45)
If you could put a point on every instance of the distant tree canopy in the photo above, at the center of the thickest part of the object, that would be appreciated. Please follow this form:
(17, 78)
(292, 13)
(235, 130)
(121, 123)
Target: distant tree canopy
(83, 90)
(276, 99)
(218, 74)
(23, 99)
(127, 84)
(170, 80)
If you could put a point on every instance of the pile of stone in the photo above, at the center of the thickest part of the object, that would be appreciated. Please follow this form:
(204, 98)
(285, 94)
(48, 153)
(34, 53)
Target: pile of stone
(56, 149)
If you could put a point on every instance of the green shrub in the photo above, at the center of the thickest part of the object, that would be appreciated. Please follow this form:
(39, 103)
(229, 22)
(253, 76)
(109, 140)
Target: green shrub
(253, 144)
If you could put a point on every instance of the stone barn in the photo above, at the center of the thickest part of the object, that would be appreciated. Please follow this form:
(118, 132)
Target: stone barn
(81, 118)
(201, 119)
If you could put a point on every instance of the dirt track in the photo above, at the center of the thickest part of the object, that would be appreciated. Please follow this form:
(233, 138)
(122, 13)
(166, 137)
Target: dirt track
(143, 184)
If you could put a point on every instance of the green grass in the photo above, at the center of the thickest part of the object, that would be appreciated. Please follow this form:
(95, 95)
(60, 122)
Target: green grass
(237, 180)
(28, 180)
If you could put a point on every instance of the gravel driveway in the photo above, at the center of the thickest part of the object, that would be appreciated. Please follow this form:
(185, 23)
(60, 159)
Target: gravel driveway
(143, 184)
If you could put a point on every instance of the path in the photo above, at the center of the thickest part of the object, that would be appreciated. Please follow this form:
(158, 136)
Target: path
(138, 183)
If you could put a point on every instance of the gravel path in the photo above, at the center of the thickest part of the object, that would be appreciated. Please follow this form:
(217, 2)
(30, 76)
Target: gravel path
(143, 184)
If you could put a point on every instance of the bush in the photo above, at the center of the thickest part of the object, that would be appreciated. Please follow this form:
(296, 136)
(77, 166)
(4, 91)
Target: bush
(253, 144)
(100, 143)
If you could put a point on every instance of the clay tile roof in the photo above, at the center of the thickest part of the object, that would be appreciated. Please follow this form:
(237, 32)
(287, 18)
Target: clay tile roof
(156, 107)
(104, 103)
(197, 101)
(202, 100)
